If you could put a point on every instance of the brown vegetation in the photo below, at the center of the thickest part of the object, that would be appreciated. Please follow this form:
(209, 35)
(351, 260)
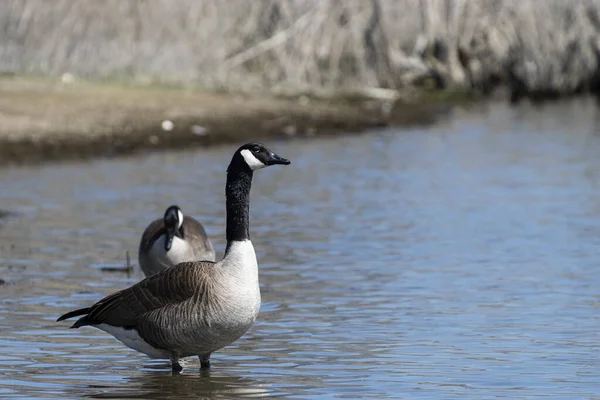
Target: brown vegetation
(534, 46)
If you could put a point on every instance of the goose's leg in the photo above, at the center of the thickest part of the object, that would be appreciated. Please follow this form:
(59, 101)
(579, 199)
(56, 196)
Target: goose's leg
(175, 365)
(204, 360)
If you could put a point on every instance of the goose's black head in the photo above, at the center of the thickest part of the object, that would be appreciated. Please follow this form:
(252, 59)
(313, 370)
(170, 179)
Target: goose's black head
(173, 221)
(255, 156)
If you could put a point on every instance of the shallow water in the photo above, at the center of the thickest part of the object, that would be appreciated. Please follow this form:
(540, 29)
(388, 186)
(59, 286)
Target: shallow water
(458, 260)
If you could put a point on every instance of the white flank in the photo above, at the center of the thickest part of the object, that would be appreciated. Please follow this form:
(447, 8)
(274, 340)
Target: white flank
(131, 339)
(180, 251)
(180, 217)
(253, 162)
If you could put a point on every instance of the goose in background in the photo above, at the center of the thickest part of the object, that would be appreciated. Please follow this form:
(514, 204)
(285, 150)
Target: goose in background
(193, 308)
(172, 240)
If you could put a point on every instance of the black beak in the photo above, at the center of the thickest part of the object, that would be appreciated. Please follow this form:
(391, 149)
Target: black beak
(169, 240)
(275, 159)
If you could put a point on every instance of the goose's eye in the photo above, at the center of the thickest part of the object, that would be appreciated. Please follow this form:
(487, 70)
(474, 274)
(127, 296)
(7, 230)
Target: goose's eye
(256, 149)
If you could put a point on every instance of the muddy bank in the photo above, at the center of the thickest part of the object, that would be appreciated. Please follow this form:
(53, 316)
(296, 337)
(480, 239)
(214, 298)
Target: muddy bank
(43, 120)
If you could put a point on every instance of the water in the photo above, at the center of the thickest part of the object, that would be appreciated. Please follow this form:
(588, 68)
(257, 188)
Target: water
(458, 260)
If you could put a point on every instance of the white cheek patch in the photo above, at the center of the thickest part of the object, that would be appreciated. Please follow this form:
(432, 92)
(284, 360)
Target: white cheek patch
(180, 217)
(253, 162)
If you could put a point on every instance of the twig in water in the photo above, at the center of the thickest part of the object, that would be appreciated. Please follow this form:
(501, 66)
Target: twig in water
(126, 268)
(128, 263)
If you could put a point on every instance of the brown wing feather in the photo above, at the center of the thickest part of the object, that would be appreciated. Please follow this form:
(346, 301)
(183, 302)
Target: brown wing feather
(126, 307)
(152, 232)
(194, 231)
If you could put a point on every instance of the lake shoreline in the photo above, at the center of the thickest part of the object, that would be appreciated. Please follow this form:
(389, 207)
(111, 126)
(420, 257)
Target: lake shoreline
(45, 120)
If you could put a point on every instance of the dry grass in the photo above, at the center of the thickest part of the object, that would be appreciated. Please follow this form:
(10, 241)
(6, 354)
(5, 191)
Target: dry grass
(534, 46)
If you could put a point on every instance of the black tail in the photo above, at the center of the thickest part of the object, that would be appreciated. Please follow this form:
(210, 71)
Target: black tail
(71, 314)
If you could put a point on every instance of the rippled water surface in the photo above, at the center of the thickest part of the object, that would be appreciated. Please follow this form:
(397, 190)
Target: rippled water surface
(458, 260)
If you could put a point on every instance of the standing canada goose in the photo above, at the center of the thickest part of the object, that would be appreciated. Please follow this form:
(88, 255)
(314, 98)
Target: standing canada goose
(172, 240)
(193, 308)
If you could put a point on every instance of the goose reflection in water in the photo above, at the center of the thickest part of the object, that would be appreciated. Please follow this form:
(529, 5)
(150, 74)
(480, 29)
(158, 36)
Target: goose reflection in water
(193, 385)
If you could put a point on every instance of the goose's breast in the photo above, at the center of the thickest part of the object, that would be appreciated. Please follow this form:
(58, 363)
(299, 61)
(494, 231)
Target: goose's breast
(180, 252)
(234, 308)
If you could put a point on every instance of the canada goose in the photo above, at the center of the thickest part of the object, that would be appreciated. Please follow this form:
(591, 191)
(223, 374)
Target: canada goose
(172, 240)
(193, 308)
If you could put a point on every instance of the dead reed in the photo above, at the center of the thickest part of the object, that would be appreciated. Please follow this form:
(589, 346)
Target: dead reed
(536, 47)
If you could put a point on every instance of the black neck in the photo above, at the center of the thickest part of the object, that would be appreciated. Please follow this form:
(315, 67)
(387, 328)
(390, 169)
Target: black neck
(237, 193)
